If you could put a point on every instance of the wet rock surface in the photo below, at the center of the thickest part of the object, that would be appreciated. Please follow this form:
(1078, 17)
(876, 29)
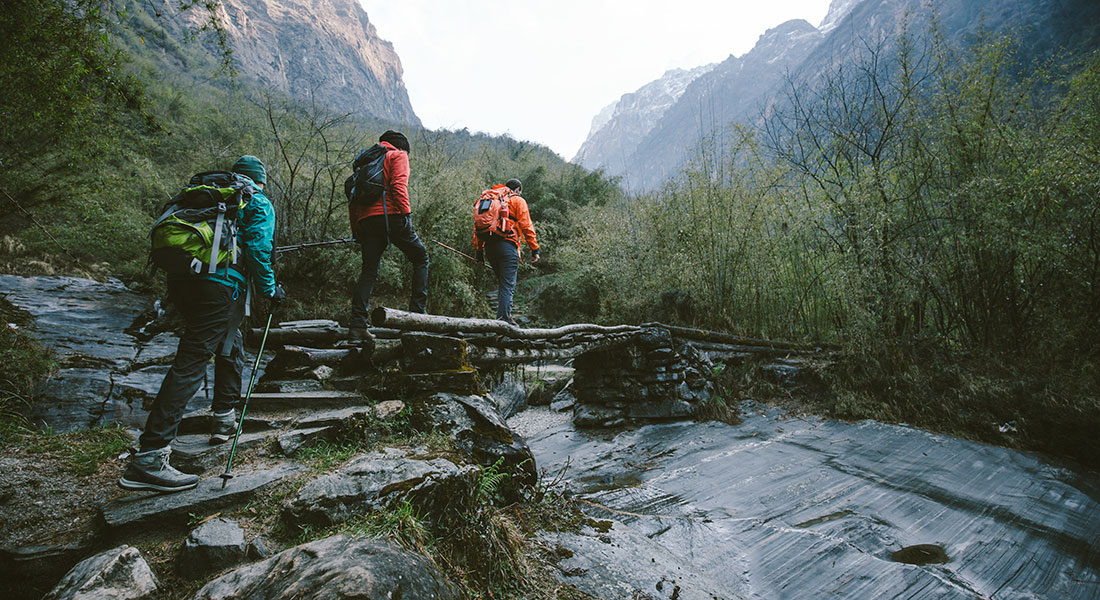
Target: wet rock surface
(334, 568)
(110, 368)
(786, 508)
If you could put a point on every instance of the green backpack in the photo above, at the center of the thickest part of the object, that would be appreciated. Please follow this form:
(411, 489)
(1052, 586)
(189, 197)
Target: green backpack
(198, 220)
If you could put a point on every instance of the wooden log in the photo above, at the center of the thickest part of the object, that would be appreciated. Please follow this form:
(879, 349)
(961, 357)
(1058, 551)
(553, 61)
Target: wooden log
(399, 319)
(313, 337)
(719, 337)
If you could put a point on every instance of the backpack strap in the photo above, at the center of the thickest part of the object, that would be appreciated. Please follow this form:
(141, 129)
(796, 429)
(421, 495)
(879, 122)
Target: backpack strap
(215, 246)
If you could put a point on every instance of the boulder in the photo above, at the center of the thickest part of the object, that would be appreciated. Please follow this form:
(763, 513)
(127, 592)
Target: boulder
(377, 480)
(117, 574)
(509, 395)
(212, 546)
(479, 432)
(334, 568)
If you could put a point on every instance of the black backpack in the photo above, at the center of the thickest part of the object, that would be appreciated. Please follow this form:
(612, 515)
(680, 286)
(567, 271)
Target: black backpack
(365, 186)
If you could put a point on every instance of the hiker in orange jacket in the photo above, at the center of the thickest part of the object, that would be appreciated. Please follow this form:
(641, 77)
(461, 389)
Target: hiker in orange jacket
(377, 225)
(503, 248)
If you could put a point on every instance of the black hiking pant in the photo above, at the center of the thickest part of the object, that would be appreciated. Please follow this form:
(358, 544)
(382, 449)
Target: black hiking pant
(373, 241)
(213, 314)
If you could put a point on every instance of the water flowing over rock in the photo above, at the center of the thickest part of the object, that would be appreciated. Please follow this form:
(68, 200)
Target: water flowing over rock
(335, 568)
(791, 508)
(117, 574)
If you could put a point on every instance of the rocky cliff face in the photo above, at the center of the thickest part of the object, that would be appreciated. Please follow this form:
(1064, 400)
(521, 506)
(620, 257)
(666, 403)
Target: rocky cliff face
(617, 129)
(317, 50)
(743, 89)
(735, 90)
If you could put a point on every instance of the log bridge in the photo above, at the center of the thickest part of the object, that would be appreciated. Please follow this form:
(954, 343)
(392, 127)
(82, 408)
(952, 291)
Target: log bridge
(494, 343)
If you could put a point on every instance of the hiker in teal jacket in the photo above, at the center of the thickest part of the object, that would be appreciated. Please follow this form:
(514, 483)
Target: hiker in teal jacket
(213, 306)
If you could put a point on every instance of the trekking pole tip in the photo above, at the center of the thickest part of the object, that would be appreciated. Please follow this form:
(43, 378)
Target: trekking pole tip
(225, 478)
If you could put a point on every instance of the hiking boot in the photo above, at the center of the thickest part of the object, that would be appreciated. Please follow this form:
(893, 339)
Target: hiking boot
(224, 427)
(360, 333)
(150, 470)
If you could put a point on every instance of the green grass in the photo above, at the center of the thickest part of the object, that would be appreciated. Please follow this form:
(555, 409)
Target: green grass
(25, 361)
(82, 452)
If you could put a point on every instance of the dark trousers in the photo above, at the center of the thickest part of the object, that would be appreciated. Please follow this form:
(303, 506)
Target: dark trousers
(213, 314)
(503, 256)
(373, 241)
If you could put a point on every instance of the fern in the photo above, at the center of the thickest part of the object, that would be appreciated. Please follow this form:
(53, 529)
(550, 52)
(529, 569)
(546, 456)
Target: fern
(489, 481)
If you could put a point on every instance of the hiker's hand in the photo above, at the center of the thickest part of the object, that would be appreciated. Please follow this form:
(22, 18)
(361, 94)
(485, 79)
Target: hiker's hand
(479, 256)
(277, 296)
(535, 256)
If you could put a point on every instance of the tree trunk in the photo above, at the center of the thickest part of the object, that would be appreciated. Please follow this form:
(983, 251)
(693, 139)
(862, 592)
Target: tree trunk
(399, 319)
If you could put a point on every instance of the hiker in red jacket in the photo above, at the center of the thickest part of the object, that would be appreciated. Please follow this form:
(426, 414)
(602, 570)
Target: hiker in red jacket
(384, 222)
(500, 243)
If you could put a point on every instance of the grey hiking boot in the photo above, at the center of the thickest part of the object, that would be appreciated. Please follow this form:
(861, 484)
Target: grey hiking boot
(224, 427)
(150, 470)
(360, 333)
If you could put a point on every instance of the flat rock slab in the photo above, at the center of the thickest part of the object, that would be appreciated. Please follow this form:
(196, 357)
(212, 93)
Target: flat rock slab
(145, 509)
(619, 563)
(195, 454)
(783, 508)
(268, 401)
(79, 317)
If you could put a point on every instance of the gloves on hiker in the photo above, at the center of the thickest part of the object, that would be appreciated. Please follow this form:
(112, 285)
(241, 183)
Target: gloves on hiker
(277, 296)
(479, 256)
(535, 256)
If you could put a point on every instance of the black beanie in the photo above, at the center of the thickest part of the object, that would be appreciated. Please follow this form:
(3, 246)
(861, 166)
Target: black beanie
(514, 184)
(397, 139)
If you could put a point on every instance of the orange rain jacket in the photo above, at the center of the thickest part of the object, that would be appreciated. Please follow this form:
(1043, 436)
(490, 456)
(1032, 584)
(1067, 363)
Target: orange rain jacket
(395, 174)
(521, 224)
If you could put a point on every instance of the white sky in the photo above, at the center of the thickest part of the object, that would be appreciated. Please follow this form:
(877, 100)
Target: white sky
(539, 70)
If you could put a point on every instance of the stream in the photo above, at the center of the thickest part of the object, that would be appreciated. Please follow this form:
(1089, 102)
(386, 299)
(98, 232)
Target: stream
(802, 508)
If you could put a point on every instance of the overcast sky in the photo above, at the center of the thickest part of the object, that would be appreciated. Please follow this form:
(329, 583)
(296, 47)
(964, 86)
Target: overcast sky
(540, 70)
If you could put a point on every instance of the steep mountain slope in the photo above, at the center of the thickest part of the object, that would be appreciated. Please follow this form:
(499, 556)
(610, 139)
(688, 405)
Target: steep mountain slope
(617, 129)
(741, 90)
(325, 51)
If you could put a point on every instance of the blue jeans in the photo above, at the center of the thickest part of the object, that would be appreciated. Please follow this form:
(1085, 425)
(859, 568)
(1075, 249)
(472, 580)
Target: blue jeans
(373, 241)
(213, 314)
(503, 256)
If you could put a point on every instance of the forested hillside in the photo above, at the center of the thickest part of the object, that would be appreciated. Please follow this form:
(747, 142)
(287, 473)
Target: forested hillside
(112, 113)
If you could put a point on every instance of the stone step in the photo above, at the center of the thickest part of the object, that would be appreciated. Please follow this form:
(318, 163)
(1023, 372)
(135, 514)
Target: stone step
(274, 401)
(143, 509)
(195, 454)
(200, 421)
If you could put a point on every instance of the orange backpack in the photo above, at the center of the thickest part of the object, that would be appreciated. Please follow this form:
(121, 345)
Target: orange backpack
(491, 213)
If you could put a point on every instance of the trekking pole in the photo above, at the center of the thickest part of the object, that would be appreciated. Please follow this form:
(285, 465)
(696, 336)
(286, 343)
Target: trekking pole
(294, 247)
(251, 382)
(459, 252)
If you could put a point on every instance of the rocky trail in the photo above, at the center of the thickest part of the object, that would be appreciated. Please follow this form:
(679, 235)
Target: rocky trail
(672, 508)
